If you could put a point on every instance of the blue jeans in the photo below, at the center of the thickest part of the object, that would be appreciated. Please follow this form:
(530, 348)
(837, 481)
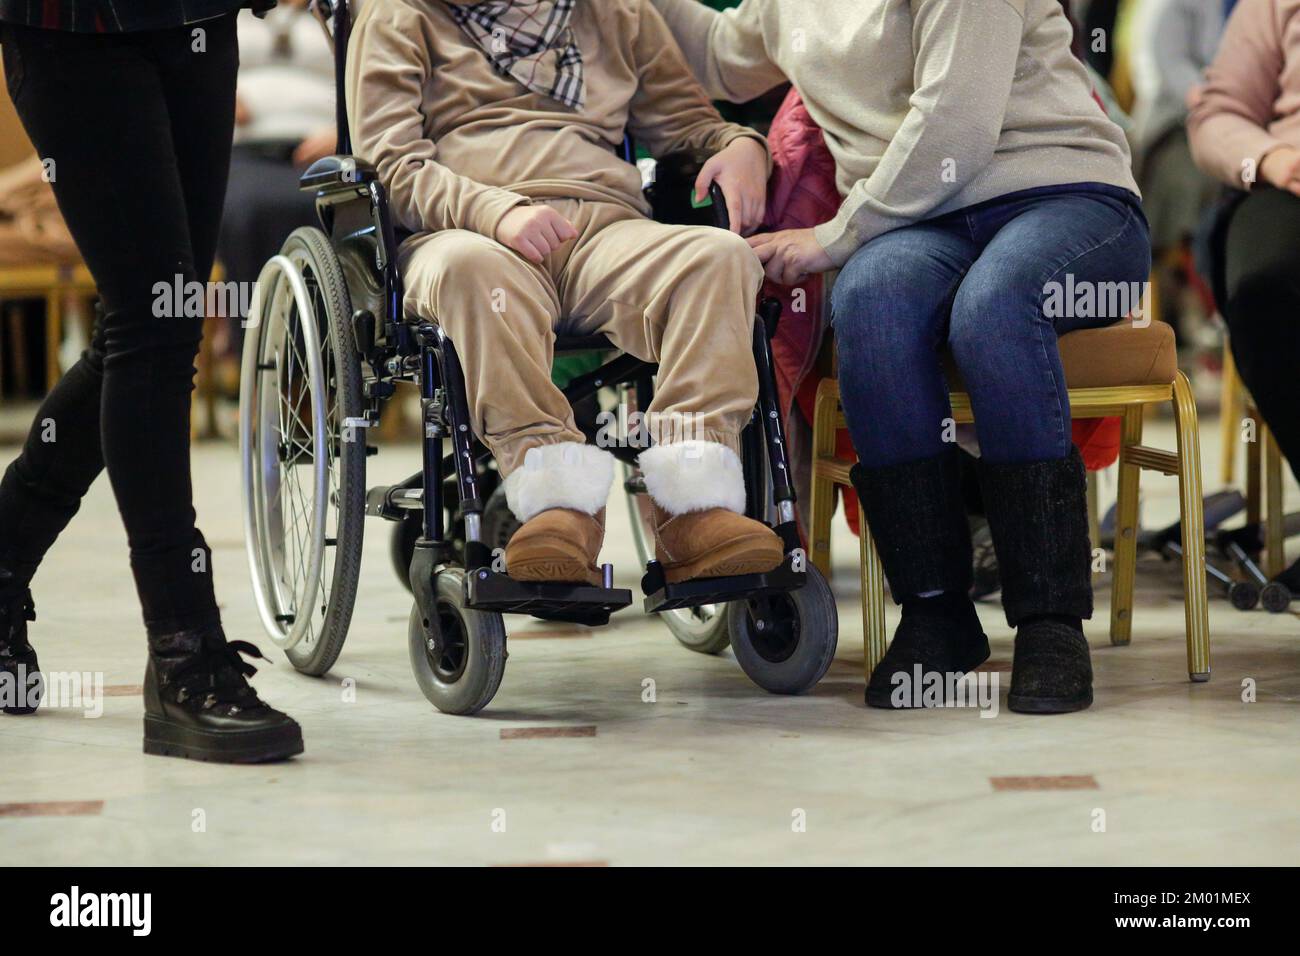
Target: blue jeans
(994, 285)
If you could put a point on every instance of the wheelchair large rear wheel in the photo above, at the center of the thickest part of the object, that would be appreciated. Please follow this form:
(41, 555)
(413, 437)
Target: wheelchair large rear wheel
(303, 454)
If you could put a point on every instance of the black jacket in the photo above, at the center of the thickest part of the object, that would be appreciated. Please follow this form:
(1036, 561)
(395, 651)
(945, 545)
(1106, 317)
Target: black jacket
(119, 16)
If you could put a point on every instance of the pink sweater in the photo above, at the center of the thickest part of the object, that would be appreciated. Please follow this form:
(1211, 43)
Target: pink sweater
(1251, 101)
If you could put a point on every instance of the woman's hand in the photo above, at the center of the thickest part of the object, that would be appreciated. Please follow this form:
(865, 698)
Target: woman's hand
(791, 255)
(534, 231)
(1282, 168)
(740, 169)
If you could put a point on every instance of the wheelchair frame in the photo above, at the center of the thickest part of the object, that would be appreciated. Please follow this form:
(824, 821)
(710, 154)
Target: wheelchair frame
(353, 210)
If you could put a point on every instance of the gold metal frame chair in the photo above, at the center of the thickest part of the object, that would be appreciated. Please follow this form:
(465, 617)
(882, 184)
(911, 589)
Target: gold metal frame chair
(1264, 474)
(56, 285)
(1130, 403)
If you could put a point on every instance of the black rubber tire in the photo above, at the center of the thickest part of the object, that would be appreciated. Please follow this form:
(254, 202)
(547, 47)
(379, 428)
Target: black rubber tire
(1244, 595)
(1275, 597)
(483, 635)
(319, 656)
(807, 636)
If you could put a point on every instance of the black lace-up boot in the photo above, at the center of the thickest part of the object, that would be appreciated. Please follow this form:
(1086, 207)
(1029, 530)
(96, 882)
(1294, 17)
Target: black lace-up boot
(21, 683)
(1038, 514)
(198, 703)
(918, 520)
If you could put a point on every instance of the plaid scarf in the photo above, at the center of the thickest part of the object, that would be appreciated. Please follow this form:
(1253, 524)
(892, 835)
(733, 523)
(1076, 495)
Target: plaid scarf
(531, 41)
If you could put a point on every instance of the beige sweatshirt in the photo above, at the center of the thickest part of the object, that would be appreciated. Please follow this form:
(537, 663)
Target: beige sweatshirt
(458, 145)
(927, 105)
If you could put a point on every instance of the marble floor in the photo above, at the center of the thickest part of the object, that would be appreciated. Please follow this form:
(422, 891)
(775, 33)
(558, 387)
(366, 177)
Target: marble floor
(570, 765)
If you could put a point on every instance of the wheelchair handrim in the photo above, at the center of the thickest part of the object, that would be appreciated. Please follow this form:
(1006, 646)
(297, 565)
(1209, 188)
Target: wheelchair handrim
(287, 618)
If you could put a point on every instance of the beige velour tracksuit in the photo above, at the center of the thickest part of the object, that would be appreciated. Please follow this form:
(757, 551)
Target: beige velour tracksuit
(458, 146)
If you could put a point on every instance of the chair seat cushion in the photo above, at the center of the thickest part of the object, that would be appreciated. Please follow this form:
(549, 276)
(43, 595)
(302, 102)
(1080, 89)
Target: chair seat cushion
(1108, 357)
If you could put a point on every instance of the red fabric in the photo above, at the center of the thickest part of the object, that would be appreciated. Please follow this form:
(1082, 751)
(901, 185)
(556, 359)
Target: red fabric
(1098, 440)
(802, 194)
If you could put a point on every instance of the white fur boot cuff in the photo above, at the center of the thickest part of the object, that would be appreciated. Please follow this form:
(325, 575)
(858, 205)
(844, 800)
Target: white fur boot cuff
(694, 476)
(562, 475)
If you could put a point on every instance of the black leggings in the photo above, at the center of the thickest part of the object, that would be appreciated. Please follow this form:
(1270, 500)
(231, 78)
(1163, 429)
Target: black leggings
(135, 130)
(1262, 267)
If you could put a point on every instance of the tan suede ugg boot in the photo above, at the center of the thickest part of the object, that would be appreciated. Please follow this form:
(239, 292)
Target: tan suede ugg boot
(713, 543)
(559, 545)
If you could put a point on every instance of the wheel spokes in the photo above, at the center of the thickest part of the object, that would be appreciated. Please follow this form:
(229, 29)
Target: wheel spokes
(290, 517)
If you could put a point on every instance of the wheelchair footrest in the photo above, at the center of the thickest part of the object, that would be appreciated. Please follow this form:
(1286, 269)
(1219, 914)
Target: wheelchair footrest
(662, 596)
(575, 603)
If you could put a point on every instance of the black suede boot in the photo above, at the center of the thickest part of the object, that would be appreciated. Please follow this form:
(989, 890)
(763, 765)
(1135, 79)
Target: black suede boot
(1038, 513)
(918, 522)
(21, 683)
(198, 703)
(1291, 577)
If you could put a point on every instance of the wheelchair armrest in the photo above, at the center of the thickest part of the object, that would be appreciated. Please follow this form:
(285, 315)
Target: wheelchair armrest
(337, 172)
(674, 185)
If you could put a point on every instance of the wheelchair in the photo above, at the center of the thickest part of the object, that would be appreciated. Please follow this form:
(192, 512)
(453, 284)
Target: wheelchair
(328, 342)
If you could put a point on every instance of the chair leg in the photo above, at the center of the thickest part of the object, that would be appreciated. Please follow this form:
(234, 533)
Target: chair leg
(1229, 416)
(823, 488)
(1195, 601)
(1254, 484)
(873, 602)
(53, 336)
(18, 336)
(1124, 566)
(1274, 515)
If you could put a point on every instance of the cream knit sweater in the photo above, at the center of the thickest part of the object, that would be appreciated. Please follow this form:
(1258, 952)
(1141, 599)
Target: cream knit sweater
(928, 106)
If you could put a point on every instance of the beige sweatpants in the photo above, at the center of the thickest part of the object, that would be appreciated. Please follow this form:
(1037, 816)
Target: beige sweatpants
(681, 296)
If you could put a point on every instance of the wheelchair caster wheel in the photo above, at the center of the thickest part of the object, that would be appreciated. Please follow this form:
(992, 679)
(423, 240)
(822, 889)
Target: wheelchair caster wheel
(458, 654)
(785, 642)
(1244, 595)
(1276, 597)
